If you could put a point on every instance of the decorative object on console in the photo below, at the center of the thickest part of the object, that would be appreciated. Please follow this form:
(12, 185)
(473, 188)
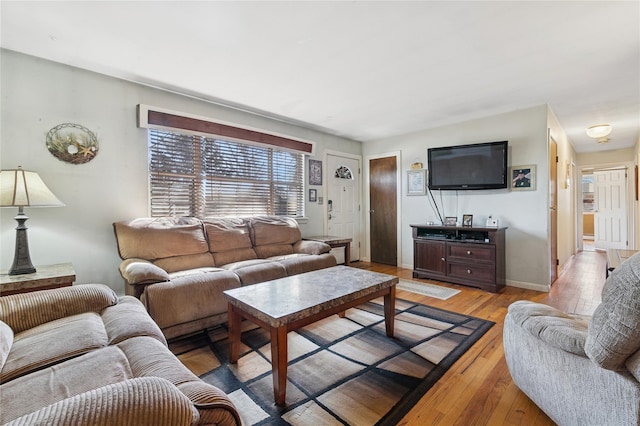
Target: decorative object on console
(523, 178)
(20, 188)
(491, 222)
(416, 182)
(72, 143)
(450, 221)
(416, 166)
(467, 220)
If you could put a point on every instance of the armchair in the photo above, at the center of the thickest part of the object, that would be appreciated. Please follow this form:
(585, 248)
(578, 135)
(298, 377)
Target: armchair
(581, 371)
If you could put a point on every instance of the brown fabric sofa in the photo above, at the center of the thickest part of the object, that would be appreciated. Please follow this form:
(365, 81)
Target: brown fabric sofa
(81, 355)
(179, 267)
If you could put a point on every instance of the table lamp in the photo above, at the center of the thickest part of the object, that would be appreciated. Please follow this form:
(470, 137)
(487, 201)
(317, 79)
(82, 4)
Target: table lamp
(20, 188)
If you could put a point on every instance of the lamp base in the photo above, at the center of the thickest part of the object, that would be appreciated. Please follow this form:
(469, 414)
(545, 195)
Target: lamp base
(21, 259)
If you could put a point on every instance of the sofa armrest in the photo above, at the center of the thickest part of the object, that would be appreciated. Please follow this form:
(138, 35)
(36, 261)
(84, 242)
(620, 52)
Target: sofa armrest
(139, 401)
(27, 310)
(551, 325)
(213, 404)
(140, 271)
(311, 247)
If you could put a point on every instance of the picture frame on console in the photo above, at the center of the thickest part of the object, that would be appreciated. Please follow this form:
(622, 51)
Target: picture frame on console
(467, 220)
(450, 221)
(523, 178)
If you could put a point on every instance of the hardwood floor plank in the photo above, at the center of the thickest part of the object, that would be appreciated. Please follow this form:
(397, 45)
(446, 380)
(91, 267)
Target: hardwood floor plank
(478, 389)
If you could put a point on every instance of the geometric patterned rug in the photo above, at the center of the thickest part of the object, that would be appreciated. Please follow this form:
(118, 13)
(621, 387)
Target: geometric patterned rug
(345, 371)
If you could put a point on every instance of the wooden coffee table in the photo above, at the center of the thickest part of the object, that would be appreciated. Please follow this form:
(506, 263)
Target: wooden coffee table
(288, 304)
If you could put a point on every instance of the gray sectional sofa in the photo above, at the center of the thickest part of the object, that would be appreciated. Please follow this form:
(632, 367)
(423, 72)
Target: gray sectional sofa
(179, 267)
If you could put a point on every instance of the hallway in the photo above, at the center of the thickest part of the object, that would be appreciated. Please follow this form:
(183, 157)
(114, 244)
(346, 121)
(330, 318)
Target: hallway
(578, 289)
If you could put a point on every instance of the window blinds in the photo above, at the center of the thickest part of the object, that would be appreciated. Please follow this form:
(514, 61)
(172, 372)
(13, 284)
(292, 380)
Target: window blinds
(193, 175)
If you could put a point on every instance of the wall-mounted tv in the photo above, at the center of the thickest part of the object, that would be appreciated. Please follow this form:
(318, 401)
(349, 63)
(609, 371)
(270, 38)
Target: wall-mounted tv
(475, 166)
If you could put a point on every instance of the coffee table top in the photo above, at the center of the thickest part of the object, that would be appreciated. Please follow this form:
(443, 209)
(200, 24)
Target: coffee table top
(286, 300)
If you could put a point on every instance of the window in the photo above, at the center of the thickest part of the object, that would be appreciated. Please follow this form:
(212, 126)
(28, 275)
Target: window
(193, 175)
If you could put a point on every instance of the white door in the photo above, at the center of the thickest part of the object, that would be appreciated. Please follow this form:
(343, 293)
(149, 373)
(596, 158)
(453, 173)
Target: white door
(610, 214)
(343, 200)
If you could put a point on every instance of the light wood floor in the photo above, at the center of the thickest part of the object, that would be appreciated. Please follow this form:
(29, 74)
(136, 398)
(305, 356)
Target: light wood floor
(478, 389)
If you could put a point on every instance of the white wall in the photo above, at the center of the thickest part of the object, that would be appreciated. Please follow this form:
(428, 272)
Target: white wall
(524, 212)
(37, 95)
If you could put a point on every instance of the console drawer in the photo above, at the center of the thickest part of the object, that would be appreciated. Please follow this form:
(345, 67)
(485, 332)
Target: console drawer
(471, 252)
(472, 272)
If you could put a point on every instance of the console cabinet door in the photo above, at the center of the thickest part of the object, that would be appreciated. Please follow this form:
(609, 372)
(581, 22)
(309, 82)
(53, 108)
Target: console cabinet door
(429, 256)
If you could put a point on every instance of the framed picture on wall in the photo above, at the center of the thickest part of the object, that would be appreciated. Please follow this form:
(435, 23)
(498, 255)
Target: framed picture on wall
(416, 182)
(315, 172)
(523, 178)
(313, 195)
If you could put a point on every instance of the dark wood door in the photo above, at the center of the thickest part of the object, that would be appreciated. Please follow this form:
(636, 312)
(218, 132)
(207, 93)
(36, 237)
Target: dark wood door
(383, 210)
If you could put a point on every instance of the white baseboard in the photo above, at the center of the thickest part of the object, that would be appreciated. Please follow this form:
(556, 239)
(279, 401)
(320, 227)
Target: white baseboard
(528, 286)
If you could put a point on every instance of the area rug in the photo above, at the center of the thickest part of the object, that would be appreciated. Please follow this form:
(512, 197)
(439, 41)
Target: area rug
(344, 370)
(426, 289)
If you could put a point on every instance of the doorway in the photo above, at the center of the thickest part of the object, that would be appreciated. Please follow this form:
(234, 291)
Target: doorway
(610, 214)
(383, 210)
(606, 197)
(343, 199)
(553, 210)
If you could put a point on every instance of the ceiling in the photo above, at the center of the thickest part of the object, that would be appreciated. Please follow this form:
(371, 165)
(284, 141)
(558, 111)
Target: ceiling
(361, 70)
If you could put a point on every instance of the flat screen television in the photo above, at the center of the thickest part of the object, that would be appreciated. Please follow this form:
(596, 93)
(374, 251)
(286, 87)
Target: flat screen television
(475, 166)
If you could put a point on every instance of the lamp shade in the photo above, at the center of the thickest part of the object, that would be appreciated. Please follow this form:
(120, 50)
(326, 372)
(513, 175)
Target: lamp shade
(22, 188)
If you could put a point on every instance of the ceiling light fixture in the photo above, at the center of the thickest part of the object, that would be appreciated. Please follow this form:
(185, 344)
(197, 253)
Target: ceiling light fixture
(600, 132)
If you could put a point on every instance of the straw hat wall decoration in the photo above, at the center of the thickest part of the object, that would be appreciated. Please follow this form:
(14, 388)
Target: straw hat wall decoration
(72, 143)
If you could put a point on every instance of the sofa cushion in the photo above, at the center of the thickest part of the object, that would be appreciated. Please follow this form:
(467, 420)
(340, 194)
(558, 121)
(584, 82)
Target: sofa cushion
(614, 330)
(141, 271)
(128, 319)
(72, 377)
(139, 401)
(271, 250)
(274, 230)
(257, 271)
(550, 325)
(24, 311)
(156, 238)
(311, 247)
(181, 263)
(301, 263)
(189, 296)
(6, 341)
(229, 240)
(64, 338)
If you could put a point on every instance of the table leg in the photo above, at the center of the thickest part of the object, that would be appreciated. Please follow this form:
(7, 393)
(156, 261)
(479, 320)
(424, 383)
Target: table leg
(390, 310)
(347, 254)
(279, 357)
(234, 333)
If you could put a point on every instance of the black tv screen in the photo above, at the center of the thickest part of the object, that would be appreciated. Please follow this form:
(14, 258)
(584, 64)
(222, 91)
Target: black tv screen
(476, 166)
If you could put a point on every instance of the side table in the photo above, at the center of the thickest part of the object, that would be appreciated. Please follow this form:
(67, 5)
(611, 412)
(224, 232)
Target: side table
(336, 242)
(45, 277)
